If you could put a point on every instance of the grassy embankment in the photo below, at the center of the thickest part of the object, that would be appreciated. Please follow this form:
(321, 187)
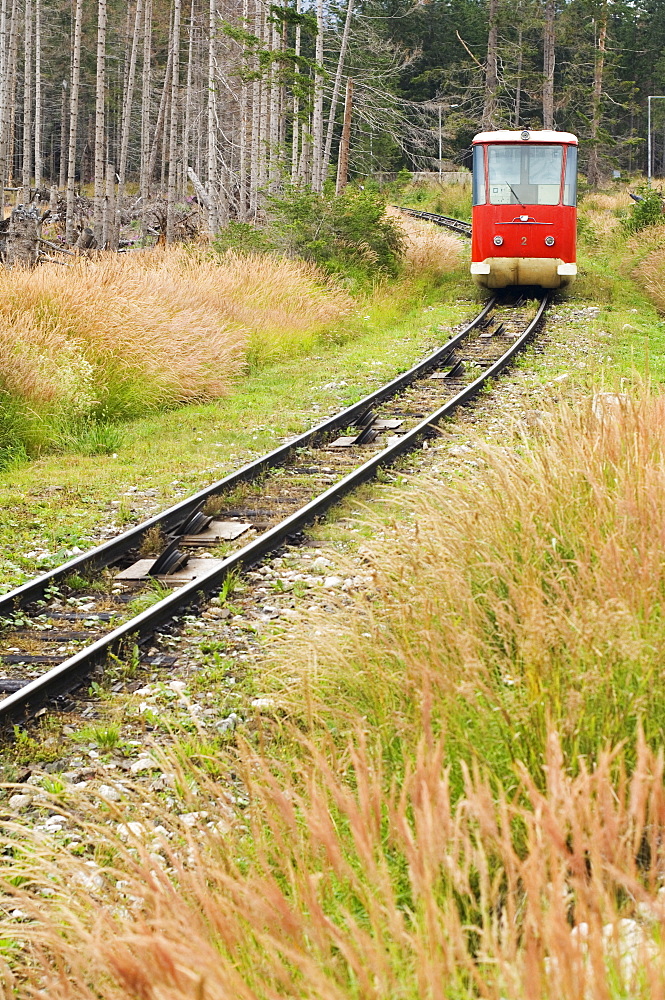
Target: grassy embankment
(442, 805)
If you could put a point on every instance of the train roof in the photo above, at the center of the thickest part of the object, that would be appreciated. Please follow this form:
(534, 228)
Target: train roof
(526, 135)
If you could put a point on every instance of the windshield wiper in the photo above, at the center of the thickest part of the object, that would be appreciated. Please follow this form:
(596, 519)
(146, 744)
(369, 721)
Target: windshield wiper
(518, 199)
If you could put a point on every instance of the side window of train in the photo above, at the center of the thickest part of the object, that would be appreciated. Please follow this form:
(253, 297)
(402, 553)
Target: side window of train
(479, 197)
(570, 182)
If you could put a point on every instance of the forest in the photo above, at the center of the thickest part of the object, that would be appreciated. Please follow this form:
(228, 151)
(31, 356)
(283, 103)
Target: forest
(229, 102)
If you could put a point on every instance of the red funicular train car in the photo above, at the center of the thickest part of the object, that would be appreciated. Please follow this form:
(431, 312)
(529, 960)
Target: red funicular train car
(524, 208)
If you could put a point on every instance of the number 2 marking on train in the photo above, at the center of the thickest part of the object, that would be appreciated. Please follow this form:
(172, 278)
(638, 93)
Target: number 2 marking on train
(524, 241)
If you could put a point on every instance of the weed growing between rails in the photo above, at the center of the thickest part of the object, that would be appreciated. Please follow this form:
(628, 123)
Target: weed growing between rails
(525, 596)
(327, 880)
(120, 336)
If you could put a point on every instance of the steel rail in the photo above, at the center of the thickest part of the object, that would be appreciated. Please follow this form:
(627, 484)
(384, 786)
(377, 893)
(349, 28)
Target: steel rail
(457, 225)
(70, 673)
(110, 551)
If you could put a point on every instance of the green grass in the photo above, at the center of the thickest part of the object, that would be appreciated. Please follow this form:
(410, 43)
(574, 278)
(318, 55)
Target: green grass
(453, 200)
(636, 329)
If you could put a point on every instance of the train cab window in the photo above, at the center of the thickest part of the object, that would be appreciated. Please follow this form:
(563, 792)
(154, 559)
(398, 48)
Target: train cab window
(479, 195)
(524, 175)
(570, 182)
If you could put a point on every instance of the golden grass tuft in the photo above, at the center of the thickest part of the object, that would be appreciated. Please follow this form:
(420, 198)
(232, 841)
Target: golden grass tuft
(597, 201)
(335, 883)
(650, 271)
(604, 223)
(427, 247)
(126, 334)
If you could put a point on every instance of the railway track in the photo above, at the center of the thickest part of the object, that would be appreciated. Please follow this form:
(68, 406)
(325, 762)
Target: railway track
(457, 225)
(60, 627)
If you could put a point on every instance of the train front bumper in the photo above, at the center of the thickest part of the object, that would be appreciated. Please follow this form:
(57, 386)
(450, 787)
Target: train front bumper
(498, 272)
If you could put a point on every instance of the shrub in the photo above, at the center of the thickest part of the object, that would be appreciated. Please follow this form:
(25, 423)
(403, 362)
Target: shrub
(347, 235)
(243, 238)
(646, 212)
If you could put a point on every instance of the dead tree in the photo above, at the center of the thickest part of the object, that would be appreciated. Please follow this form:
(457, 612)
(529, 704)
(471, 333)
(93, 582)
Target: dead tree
(23, 236)
(548, 64)
(73, 121)
(100, 134)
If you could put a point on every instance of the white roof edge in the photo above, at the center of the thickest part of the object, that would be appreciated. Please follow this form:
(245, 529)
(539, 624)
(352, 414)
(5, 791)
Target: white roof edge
(515, 135)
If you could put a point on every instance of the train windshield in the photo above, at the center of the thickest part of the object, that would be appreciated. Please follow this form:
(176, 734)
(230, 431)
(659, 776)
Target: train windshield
(524, 175)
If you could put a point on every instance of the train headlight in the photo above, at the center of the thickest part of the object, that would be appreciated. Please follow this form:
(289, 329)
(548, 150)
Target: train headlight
(498, 240)
(549, 241)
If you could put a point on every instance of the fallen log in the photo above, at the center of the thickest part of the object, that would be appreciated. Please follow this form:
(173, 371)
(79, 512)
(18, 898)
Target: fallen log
(54, 246)
(52, 260)
(200, 190)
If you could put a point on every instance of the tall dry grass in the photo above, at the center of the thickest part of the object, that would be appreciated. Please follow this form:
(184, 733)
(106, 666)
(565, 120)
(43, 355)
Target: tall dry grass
(525, 595)
(602, 201)
(335, 884)
(427, 248)
(122, 335)
(649, 250)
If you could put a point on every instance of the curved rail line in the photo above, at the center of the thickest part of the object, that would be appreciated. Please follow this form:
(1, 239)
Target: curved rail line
(70, 673)
(457, 225)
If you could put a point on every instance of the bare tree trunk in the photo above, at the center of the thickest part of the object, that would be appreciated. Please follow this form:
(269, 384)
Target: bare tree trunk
(145, 105)
(127, 60)
(548, 64)
(343, 160)
(305, 166)
(594, 175)
(173, 131)
(336, 86)
(38, 94)
(244, 124)
(161, 115)
(126, 122)
(4, 78)
(273, 147)
(62, 178)
(295, 144)
(491, 69)
(200, 77)
(264, 112)
(11, 87)
(186, 140)
(518, 85)
(109, 210)
(317, 123)
(212, 121)
(73, 121)
(100, 122)
(282, 91)
(256, 120)
(27, 104)
(165, 144)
